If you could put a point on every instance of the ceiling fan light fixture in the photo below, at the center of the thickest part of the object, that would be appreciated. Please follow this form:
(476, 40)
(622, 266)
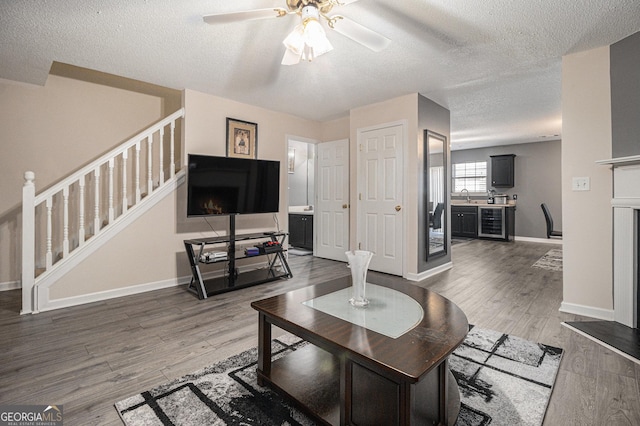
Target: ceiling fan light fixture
(308, 39)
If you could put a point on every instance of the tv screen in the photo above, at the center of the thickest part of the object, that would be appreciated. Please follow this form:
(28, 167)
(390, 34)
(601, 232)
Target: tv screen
(225, 186)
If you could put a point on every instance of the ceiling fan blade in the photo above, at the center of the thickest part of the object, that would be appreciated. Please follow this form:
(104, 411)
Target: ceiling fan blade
(290, 57)
(247, 15)
(363, 35)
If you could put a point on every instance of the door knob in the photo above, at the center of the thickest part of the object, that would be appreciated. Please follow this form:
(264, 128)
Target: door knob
(398, 208)
(345, 206)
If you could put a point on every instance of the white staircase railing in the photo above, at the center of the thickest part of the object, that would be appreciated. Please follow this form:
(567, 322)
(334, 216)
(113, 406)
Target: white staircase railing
(58, 222)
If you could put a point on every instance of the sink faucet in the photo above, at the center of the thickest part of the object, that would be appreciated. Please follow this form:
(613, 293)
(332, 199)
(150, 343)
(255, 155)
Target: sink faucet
(467, 191)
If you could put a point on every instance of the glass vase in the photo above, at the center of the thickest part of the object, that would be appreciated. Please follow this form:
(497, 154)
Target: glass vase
(359, 263)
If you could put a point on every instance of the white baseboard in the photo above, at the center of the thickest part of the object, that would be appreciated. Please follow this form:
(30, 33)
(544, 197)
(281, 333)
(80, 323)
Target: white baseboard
(10, 285)
(431, 272)
(100, 296)
(538, 240)
(587, 311)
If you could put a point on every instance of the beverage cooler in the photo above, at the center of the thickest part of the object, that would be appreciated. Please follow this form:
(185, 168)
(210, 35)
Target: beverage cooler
(491, 223)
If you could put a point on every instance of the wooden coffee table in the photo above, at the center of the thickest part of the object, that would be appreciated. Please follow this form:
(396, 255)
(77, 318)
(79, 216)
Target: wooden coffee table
(350, 374)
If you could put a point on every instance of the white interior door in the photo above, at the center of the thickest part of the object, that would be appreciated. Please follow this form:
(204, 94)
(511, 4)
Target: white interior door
(380, 199)
(332, 203)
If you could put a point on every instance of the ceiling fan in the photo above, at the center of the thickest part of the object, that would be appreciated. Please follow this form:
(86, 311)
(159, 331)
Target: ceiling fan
(308, 39)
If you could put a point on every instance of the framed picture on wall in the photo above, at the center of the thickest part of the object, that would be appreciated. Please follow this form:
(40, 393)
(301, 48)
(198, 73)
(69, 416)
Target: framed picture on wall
(242, 139)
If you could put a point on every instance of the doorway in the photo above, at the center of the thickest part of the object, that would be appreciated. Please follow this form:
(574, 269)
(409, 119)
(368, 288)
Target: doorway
(301, 173)
(301, 154)
(318, 187)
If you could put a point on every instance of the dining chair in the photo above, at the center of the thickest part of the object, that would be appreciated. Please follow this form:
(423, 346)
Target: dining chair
(547, 216)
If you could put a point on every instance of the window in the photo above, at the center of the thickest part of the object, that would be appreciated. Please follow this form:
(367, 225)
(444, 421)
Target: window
(470, 176)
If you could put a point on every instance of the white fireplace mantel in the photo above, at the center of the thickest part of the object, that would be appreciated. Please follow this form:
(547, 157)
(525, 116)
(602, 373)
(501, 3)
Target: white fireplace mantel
(626, 200)
(621, 161)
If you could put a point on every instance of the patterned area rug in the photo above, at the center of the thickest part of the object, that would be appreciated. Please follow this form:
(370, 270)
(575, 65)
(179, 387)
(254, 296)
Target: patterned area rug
(503, 380)
(551, 261)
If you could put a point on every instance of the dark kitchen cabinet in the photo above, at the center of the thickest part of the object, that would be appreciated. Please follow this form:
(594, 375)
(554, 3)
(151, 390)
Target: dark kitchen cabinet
(464, 221)
(503, 171)
(301, 230)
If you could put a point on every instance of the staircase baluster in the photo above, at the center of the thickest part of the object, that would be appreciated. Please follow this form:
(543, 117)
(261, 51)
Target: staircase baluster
(49, 255)
(65, 221)
(28, 242)
(172, 165)
(111, 209)
(96, 204)
(149, 164)
(138, 194)
(81, 230)
(32, 299)
(125, 203)
(161, 145)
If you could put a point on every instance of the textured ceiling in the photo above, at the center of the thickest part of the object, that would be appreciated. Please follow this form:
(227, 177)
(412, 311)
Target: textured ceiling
(496, 64)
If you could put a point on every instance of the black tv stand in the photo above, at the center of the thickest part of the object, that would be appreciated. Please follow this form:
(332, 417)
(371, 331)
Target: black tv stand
(232, 280)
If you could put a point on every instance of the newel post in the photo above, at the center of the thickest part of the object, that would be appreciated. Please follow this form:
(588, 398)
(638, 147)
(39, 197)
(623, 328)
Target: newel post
(28, 242)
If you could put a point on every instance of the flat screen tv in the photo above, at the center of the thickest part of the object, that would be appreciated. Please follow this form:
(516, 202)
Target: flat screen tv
(229, 186)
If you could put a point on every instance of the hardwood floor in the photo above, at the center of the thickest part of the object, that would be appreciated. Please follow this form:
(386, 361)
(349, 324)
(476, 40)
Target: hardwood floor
(90, 356)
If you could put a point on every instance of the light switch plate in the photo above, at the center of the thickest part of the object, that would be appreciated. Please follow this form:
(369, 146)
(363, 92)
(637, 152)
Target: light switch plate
(581, 184)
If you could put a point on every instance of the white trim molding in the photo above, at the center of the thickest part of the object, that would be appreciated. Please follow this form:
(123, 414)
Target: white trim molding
(430, 273)
(625, 205)
(557, 241)
(10, 285)
(67, 302)
(587, 311)
(620, 161)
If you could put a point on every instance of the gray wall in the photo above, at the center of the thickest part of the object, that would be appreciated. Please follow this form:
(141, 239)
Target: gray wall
(537, 180)
(625, 96)
(435, 118)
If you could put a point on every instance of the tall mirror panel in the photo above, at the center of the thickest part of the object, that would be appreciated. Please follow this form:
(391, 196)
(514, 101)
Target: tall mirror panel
(436, 186)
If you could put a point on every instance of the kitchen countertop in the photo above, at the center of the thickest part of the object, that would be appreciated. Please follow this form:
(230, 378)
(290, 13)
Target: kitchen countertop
(300, 210)
(480, 204)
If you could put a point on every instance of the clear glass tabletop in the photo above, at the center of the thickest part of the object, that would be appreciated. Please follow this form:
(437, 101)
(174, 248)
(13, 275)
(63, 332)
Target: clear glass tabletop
(390, 312)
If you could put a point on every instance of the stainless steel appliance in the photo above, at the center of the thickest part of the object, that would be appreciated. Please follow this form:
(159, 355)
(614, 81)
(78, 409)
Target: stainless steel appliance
(500, 198)
(491, 223)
